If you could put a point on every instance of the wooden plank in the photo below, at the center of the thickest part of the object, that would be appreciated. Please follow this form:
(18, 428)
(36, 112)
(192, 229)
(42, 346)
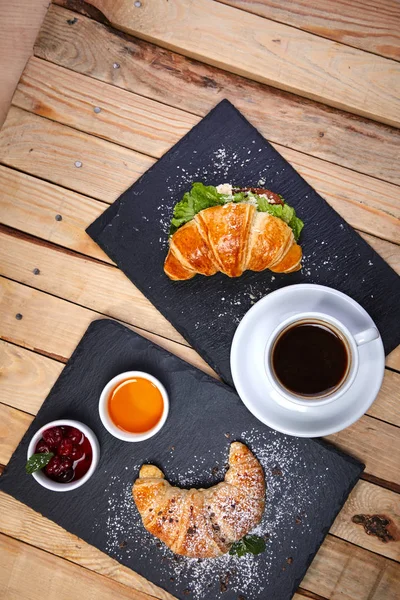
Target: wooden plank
(20, 23)
(54, 327)
(369, 499)
(339, 570)
(269, 52)
(101, 287)
(375, 443)
(393, 360)
(29, 573)
(26, 377)
(125, 118)
(92, 49)
(70, 101)
(85, 163)
(30, 205)
(370, 25)
(33, 144)
(13, 425)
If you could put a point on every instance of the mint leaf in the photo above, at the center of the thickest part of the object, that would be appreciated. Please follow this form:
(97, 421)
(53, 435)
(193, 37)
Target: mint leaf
(38, 461)
(249, 544)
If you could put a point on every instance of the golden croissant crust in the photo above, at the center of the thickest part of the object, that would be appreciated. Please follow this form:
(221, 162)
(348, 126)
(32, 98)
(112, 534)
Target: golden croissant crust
(203, 523)
(232, 238)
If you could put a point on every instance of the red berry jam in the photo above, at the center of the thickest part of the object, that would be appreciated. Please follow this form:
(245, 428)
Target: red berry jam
(72, 453)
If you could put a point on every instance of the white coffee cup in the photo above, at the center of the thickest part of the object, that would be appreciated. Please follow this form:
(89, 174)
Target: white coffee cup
(351, 342)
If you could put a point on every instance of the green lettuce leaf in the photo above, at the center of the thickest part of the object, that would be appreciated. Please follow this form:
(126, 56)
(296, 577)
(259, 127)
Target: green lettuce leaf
(200, 197)
(204, 196)
(284, 212)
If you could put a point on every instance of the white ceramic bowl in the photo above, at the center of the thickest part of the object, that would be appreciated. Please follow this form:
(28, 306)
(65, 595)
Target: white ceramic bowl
(65, 487)
(127, 436)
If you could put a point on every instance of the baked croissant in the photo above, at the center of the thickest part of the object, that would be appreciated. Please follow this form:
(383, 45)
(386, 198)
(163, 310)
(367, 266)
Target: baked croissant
(232, 238)
(203, 523)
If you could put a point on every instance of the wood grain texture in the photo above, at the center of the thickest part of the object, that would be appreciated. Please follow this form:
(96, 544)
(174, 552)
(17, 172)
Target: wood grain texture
(125, 118)
(93, 49)
(48, 150)
(375, 443)
(53, 326)
(70, 101)
(369, 499)
(339, 570)
(25, 377)
(107, 291)
(51, 151)
(393, 359)
(31, 205)
(29, 573)
(102, 288)
(269, 52)
(19, 26)
(369, 25)
(13, 425)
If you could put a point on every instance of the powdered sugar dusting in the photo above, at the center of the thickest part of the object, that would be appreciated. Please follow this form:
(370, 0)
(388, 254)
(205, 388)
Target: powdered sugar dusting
(290, 501)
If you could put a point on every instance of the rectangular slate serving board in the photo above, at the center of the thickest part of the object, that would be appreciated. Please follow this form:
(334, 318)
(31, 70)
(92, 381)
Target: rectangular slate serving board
(225, 147)
(307, 480)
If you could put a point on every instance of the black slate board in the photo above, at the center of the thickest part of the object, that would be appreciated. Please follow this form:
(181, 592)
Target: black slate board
(307, 480)
(224, 147)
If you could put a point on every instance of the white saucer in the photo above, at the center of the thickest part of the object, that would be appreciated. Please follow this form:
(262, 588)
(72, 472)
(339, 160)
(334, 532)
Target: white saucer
(250, 378)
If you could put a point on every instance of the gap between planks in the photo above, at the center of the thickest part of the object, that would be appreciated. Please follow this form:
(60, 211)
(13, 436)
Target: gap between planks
(370, 26)
(339, 567)
(159, 75)
(56, 326)
(88, 284)
(45, 148)
(337, 75)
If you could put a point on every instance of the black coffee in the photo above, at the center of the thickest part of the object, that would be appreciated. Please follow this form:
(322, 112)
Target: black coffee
(310, 359)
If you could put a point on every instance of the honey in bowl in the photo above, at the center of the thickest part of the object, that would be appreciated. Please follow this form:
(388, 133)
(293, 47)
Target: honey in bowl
(135, 405)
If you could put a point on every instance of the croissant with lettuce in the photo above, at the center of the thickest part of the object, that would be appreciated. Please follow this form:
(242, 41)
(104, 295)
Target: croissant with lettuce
(232, 230)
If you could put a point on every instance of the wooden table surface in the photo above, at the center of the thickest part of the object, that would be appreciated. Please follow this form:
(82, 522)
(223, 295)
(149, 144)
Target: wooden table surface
(111, 86)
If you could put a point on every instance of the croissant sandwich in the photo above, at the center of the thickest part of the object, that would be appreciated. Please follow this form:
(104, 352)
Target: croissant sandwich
(231, 230)
(203, 523)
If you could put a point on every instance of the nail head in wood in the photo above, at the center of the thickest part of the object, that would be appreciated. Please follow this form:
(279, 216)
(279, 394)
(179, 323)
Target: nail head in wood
(36, 271)
(116, 66)
(18, 316)
(138, 4)
(58, 218)
(78, 164)
(97, 109)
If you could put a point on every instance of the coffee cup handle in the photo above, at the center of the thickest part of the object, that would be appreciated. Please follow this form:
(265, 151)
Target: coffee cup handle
(366, 336)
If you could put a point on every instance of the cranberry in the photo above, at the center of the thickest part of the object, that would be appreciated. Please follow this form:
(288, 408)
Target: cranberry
(75, 435)
(43, 447)
(53, 436)
(66, 463)
(66, 476)
(76, 453)
(65, 447)
(54, 467)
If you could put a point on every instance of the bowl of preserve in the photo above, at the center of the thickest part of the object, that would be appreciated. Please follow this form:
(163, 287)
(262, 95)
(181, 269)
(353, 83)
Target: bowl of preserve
(133, 406)
(63, 455)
